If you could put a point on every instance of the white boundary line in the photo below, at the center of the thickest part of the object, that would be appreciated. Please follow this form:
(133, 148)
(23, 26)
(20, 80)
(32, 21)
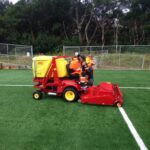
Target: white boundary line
(15, 85)
(142, 88)
(123, 87)
(30, 85)
(132, 129)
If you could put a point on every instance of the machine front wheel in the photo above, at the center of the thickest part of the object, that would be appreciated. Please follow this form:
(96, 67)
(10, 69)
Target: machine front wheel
(37, 95)
(70, 94)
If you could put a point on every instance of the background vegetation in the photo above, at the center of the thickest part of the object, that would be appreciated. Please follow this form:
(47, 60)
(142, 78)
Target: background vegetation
(49, 24)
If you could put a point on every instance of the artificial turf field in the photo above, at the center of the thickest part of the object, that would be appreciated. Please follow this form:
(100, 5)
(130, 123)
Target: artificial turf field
(52, 123)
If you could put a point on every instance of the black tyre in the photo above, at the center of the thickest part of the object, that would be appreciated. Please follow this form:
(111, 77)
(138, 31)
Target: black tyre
(37, 95)
(70, 94)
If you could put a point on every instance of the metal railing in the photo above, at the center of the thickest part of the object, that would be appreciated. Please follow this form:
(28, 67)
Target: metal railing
(135, 57)
(14, 54)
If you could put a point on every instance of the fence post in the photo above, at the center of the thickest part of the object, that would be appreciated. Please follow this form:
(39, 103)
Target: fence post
(143, 62)
(7, 52)
(16, 55)
(79, 49)
(63, 50)
(15, 51)
(31, 50)
(7, 48)
(119, 56)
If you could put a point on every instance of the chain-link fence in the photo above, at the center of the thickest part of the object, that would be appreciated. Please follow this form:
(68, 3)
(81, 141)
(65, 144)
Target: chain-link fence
(112, 57)
(15, 55)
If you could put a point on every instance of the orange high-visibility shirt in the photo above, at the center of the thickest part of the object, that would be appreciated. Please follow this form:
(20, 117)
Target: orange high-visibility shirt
(75, 64)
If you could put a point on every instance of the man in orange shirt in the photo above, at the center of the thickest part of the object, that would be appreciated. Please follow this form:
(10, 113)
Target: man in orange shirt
(74, 67)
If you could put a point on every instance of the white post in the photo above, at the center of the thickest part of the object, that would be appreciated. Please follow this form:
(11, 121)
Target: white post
(63, 50)
(119, 55)
(31, 51)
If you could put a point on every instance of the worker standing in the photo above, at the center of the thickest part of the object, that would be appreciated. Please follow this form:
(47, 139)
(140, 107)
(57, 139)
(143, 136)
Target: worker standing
(84, 76)
(90, 63)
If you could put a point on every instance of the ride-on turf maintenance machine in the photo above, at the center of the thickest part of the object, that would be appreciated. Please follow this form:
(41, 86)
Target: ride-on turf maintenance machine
(51, 77)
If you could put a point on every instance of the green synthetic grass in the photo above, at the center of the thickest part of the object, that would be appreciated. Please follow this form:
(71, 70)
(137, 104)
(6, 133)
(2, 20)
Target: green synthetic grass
(52, 123)
(15, 77)
(137, 106)
(124, 78)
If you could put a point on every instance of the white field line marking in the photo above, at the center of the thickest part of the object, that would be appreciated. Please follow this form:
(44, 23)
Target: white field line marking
(19, 85)
(22, 85)
(142, 88)
(132, 129)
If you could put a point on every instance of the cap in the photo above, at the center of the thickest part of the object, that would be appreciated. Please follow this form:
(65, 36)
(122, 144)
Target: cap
(76, 53)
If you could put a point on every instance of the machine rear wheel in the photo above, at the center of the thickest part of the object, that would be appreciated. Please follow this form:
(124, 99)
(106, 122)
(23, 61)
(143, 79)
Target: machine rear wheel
(37, 95)
(70, 94)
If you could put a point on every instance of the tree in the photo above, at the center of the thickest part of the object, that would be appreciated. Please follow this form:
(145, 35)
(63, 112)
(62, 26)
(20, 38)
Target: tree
(48, 24)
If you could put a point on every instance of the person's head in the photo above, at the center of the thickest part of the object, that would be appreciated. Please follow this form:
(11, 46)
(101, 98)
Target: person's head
(81, 58)
(76, 54)
(90, 56)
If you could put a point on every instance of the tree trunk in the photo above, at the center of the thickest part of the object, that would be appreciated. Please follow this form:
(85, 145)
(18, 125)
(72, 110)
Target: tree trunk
(136, 33)
(79, 23)
(103, 34)
(65, 30)
(89, 39)
(32, 35)
(116, 38)
(86, 31)
(80, 37)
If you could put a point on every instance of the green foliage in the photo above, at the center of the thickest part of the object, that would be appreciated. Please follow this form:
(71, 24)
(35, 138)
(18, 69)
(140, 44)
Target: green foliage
(45, 43)
(49, 24)
(73, 41)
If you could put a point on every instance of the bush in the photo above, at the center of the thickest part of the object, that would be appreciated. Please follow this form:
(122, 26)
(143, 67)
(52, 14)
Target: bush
(46, 43)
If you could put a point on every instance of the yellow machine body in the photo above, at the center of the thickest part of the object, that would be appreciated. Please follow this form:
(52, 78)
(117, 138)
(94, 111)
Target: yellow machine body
(41, 65)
